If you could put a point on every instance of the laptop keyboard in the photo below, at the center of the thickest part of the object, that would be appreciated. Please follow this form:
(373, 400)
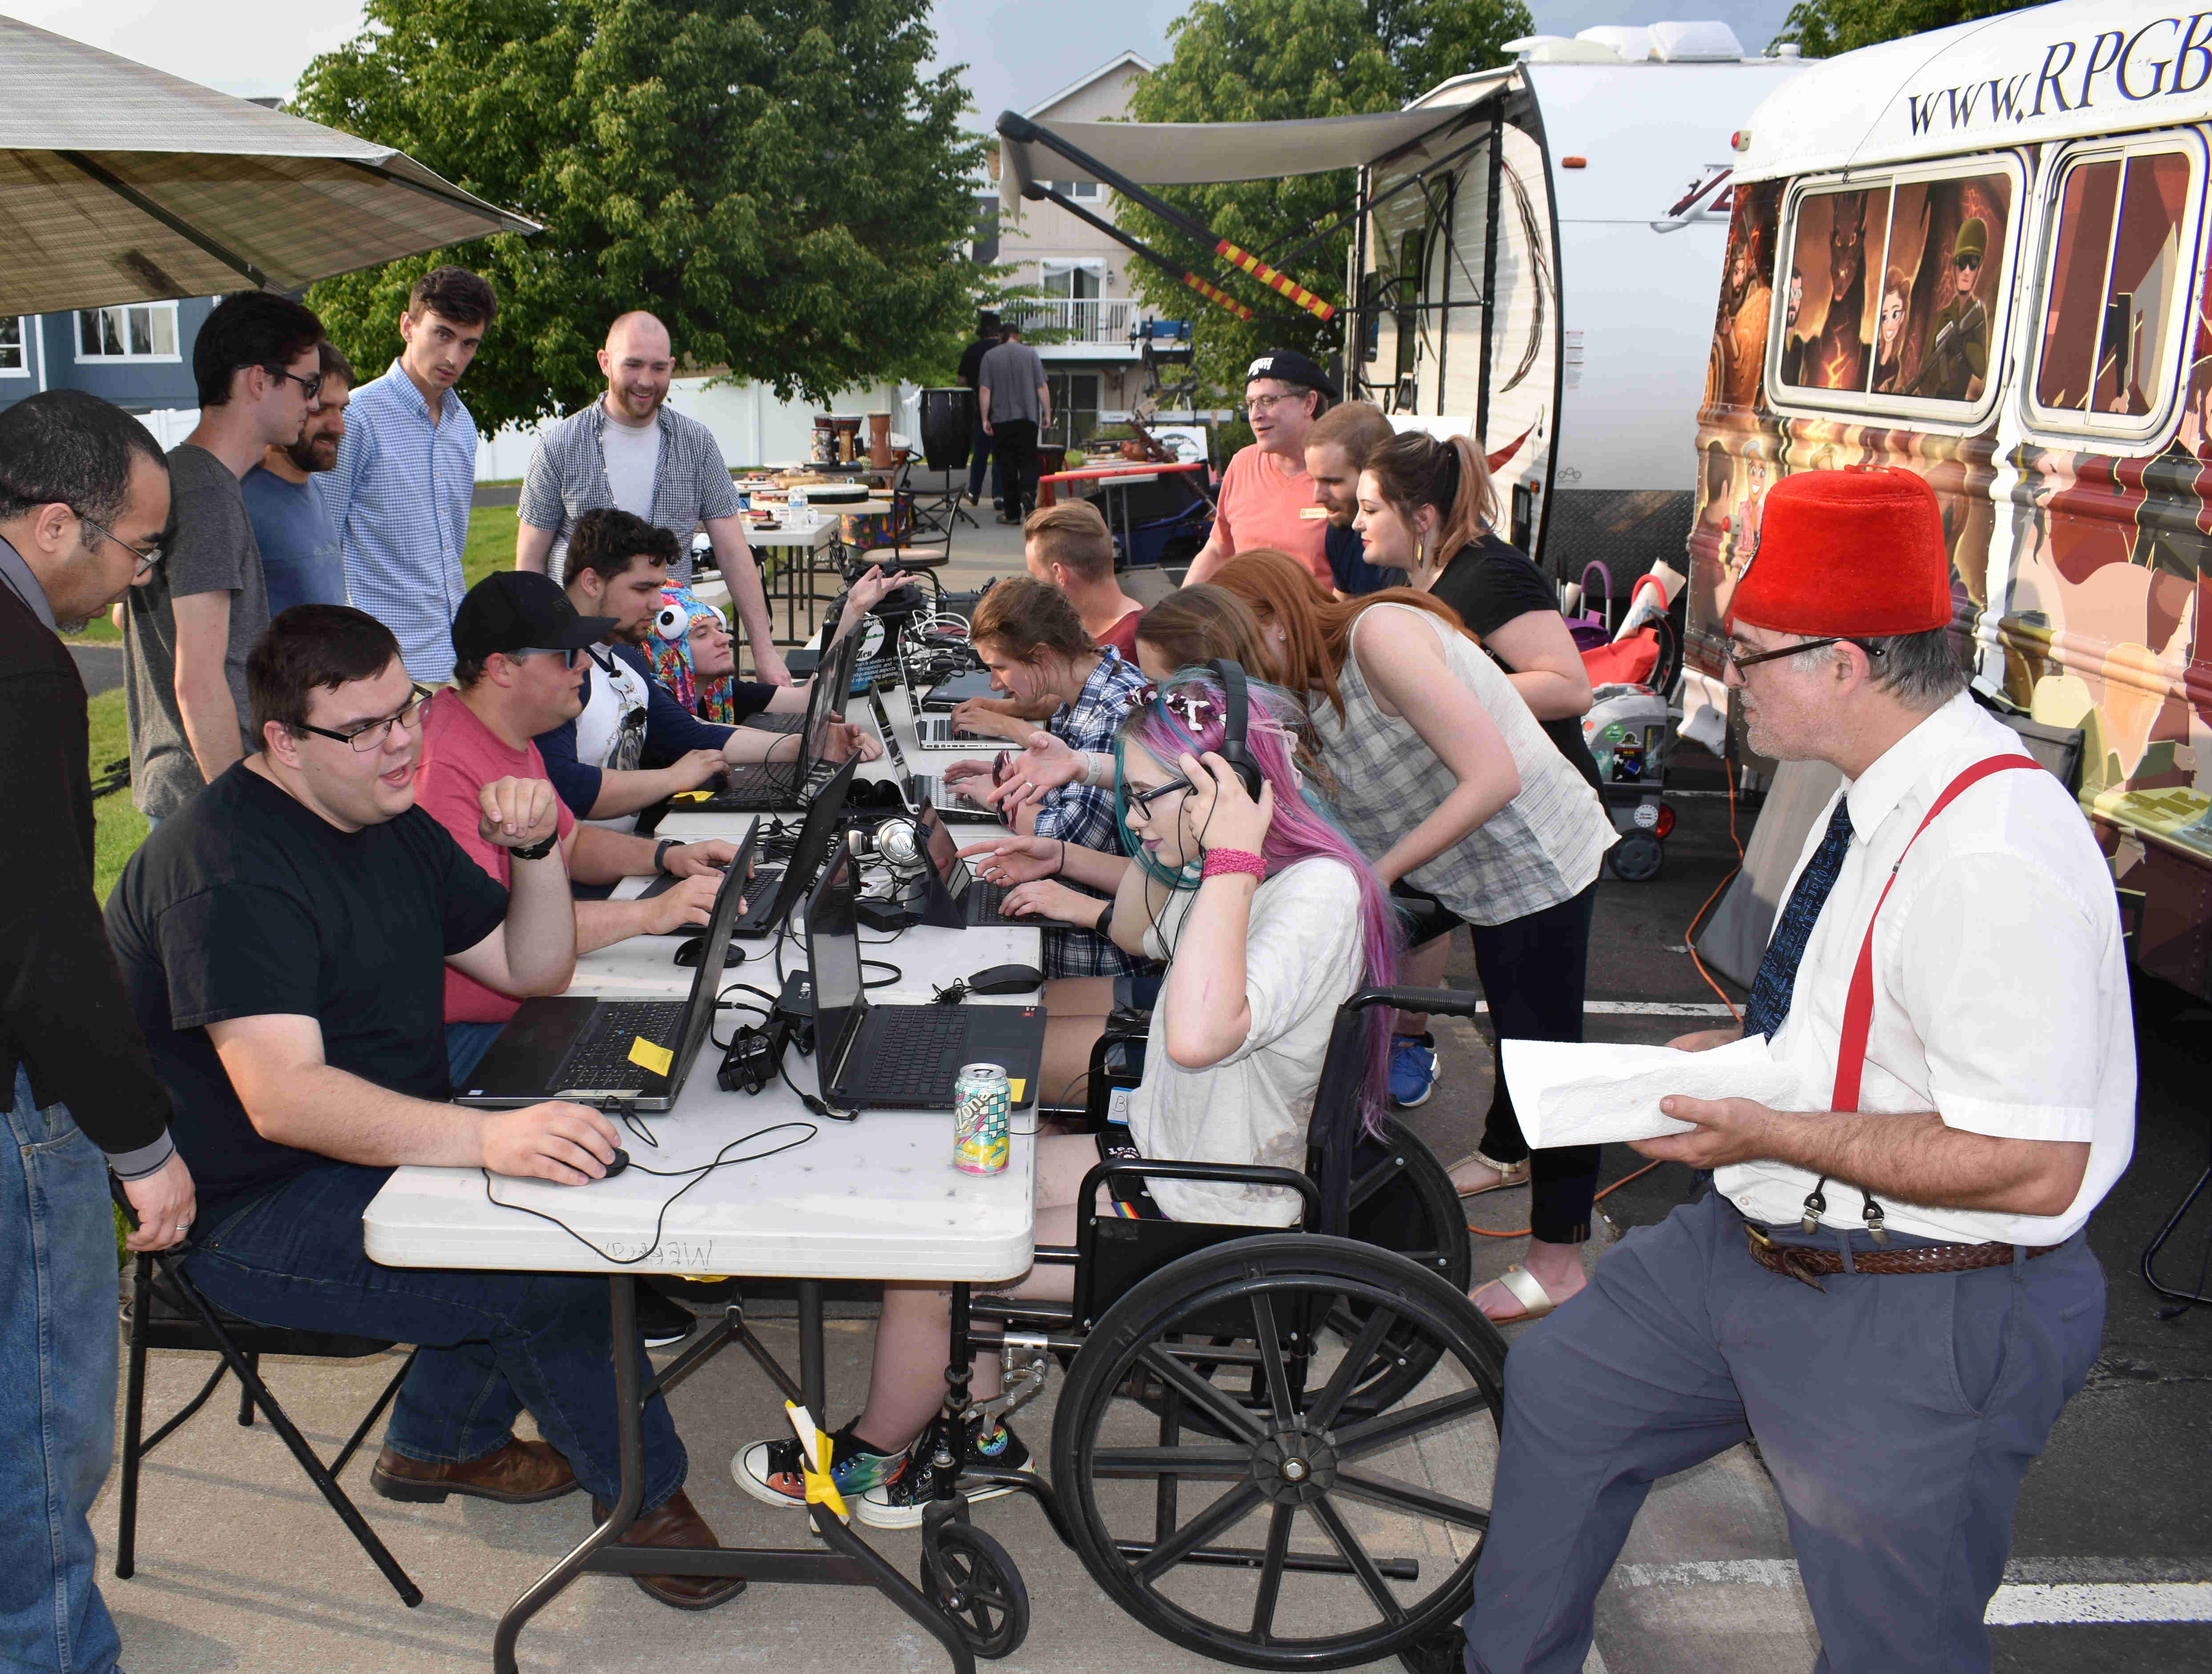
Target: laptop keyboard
(984, 902)
(914, 1055)
(758, 790)
(601, 1058)
(937, 730)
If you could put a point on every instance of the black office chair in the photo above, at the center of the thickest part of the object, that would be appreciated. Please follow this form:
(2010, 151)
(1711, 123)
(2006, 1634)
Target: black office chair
(167, 1311)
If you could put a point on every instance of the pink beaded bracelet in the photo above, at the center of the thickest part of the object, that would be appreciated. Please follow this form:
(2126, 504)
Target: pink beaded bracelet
(1220, 862)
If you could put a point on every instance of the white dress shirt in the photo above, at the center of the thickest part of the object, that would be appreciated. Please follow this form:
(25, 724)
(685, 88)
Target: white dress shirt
(2000, 985)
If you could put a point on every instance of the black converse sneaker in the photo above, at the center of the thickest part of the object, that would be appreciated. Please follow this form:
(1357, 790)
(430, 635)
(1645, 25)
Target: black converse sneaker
(898, 1503)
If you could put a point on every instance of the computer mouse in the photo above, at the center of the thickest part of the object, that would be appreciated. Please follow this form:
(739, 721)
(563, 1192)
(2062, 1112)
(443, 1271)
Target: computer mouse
(692, 950)
(621, 1162)
(1006, 979)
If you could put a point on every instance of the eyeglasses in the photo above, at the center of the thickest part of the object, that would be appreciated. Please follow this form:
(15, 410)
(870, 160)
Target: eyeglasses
(147, 557)
(371, 734)
(1142, 801)
(567, 654)
(310, 386)
(1267, 403)
(1730, 656)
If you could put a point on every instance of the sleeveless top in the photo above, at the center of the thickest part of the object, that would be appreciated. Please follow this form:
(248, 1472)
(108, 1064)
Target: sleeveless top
(1543, 848)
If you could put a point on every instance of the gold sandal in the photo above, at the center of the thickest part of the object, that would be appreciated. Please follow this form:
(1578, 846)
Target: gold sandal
(1509, 1174)
(1524, 1288)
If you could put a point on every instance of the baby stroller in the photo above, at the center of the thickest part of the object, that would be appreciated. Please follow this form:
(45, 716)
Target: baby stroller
(1628, 728)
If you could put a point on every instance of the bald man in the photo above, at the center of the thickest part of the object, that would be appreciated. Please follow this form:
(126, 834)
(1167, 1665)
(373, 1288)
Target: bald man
(627, 450)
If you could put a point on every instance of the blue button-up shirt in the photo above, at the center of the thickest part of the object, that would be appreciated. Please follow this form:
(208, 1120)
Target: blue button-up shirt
(401, 491)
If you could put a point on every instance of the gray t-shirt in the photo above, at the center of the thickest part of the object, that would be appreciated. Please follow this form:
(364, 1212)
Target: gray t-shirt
(208, 547)
(1013, 373)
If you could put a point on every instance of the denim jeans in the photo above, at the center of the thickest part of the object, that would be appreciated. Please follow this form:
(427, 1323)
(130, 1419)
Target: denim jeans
(979, 455)
(57, 1295)
(492, 1344)
(466, 1045)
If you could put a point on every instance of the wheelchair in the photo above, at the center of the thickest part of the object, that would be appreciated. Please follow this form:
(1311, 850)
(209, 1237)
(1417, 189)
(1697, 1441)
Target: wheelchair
(1314, 1411)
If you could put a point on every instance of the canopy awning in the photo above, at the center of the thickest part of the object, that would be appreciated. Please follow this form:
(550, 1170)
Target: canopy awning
(121, 184)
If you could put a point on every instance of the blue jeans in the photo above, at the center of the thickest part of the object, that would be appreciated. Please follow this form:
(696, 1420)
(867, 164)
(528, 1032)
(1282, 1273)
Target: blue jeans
(57, 1296)
(491, 1344)
(466, 1045)
(981, 454)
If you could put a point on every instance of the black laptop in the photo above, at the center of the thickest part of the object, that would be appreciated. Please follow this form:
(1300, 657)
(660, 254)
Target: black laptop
(949, 893)
(921, 788)
(762, 787)
(899, 1057)
(773, 891)
(575, 1047)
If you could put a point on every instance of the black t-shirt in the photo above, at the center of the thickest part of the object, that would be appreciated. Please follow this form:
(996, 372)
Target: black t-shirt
(971, 359)
(245, 904)
(1349, 568)
(1489, 583)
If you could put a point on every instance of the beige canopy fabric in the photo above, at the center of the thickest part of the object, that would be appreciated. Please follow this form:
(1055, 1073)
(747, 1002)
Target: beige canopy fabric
(120, 184)
(1203, 152)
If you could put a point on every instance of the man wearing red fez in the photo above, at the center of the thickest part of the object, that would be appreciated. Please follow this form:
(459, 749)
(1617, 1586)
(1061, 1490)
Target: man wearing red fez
(1888, 1284)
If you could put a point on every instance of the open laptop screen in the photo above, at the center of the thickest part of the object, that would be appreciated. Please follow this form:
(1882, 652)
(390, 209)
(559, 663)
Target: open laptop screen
(833, 953)
(943, 853)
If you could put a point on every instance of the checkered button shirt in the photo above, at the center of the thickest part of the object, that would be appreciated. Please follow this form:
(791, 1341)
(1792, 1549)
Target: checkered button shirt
(1083, 814)
(400, 495)
(568, 476)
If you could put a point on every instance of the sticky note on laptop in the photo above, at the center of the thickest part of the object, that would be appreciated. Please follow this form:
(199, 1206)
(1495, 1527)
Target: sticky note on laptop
(644, 1054)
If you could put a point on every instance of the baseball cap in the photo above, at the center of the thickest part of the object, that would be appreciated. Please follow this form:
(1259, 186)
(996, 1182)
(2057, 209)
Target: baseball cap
(1289, 366)
(519, 609)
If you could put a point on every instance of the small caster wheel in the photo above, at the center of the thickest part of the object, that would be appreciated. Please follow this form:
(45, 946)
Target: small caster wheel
(1636, 859)
(969, 1576)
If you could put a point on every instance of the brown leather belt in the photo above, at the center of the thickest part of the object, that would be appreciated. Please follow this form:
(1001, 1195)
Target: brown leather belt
(1809, 1266)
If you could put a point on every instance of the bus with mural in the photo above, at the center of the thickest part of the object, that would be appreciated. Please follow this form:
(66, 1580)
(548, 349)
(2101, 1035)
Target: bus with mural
(1981, 253)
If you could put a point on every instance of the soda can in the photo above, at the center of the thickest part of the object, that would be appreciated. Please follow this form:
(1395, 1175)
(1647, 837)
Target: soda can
(982, 1114)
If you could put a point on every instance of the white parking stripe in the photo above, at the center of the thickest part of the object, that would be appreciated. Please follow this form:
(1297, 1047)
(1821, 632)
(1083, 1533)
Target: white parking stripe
(2017, 1604)
(1643, 1007)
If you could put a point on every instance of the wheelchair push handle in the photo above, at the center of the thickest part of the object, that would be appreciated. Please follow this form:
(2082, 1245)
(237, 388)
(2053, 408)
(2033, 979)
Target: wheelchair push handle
(1290, 1179)
(1440, 1001)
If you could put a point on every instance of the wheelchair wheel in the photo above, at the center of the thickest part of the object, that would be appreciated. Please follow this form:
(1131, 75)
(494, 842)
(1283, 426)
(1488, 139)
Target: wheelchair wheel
(969, 1576)
(1402, 1200)
(1355, 1529)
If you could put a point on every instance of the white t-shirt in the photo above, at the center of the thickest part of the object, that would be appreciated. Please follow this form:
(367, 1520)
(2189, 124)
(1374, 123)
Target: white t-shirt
(1301, 960)
(611, 731)
(633, 457)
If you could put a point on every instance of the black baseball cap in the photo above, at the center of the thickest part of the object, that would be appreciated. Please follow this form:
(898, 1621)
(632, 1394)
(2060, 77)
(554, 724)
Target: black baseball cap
(519, 609)
(1287, 366)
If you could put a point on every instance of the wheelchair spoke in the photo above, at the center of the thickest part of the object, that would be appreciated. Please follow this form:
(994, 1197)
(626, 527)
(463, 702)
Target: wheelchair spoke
(1219, 1407)
(1356, 1442)
(1393, 1495)
(1271, 1573)
(1356, 1555)
(1352, 1368)
(1223, 1513)
(1196, 1464)
(1271, 1356)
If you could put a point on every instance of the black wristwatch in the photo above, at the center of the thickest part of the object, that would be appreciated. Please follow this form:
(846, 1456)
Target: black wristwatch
(538, 850)
(660, 855)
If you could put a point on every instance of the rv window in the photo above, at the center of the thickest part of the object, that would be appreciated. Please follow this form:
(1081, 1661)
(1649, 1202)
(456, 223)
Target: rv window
(1411, 279)
(2120, 258)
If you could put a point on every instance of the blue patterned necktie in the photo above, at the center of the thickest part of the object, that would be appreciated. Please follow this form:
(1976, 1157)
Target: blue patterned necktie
(1777, 972)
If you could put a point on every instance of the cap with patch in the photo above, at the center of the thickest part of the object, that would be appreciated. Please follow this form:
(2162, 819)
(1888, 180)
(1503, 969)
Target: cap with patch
(1851, 553)
(519, 609)
(1287, 366)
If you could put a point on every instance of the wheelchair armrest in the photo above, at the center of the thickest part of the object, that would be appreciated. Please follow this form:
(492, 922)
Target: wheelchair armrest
(1442, 1002)
(1231, 1173)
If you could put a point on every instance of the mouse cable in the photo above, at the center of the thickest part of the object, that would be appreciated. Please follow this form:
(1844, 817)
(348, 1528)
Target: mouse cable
(896, 975)
(697, 1173)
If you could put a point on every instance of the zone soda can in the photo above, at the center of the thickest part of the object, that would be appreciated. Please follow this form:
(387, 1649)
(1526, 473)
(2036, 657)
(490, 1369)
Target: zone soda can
(982, 1110)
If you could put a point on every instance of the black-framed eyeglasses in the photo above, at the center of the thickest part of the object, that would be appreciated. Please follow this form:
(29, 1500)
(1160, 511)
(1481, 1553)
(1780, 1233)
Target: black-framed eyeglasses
(1142, 801)
(371, 734)
(567, 654)
(147, 557)
(1740, 663)
(311, 385)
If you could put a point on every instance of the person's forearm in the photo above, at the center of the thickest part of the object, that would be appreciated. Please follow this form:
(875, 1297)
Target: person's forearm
(533, 547)
(1455, 819)
(210, 720)
(1208, 1014)
(753, 744)
(539, 935)
(1918, 1160)
(1551, 696)
(603, 923)
(622, 792)
(1138, 901)
(1210, 558)
(314, 1107)
(984, 402)
(601, 856)
(1092, 868)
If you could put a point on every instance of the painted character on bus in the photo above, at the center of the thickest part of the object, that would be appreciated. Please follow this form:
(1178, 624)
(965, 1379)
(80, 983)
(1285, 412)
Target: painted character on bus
(1793, 340)
(1839, 352)
(1958, 355)
(1889, 332)
(2169, 523)
(1741, 341)
(1754, 496)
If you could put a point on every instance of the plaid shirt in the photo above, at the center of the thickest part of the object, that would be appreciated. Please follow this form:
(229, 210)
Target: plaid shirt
(400, 497)
(1083, 814)
(568, 476)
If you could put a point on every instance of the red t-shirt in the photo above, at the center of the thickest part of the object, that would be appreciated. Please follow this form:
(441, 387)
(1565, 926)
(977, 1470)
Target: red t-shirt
(461, 756)
(1122, 637)
(1263, 503)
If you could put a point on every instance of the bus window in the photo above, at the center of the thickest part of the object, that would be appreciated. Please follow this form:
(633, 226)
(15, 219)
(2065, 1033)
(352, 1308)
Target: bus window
(2120, 260)
(1839, 242)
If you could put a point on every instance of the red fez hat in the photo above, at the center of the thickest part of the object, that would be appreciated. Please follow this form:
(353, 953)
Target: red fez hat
(1847, 553)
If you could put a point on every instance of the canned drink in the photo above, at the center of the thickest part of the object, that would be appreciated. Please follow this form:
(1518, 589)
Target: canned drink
(982, 1114)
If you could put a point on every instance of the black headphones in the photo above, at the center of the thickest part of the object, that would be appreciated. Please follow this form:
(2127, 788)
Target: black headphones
(1235, 724)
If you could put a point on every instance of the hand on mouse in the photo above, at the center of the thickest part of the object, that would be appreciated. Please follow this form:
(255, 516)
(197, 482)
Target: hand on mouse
(567, 1144)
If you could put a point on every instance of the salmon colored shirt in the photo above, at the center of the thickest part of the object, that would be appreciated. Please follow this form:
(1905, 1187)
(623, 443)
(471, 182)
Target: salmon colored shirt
(1264, 504)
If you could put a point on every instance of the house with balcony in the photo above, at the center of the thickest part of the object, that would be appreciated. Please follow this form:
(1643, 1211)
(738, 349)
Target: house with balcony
(139, 357)
(1085, 322)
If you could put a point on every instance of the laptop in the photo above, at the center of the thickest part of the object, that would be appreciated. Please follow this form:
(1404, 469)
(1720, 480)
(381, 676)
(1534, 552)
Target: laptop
(957, 689)
(762, 787)
(773, 890)
(899, 1057)
(949, 892)
(921, 788)
(575, 1047)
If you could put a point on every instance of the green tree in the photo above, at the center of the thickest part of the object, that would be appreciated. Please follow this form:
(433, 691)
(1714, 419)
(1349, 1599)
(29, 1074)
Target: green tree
(1826, 27)
(775, 179)
(1281, 60)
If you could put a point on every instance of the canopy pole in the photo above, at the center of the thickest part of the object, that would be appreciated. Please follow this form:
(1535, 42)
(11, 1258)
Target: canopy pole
(1220, 298)
(146, 206)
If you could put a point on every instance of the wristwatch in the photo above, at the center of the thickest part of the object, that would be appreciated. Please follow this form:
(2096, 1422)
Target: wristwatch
(540, 849)
(660, 855)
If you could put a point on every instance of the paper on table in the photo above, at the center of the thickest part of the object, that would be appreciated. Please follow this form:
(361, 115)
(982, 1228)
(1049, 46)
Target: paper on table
(1573, 1092)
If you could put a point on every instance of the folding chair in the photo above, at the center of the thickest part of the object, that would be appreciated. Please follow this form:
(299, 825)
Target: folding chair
(167, 1311)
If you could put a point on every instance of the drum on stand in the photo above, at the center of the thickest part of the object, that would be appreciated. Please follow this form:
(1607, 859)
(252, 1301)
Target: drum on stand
(948, 425)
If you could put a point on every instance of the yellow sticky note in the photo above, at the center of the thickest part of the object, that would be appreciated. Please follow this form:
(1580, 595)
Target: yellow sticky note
(644, 1054)
(1015, 1086)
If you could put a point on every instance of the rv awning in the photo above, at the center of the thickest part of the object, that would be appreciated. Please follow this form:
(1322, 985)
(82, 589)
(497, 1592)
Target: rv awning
(1180, 154)
(120, 184)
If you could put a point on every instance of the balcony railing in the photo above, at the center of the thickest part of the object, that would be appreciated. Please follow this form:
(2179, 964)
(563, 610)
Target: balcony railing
(1076, 319)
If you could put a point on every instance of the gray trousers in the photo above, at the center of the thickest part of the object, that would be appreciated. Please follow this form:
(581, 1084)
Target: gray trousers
(1896, 1413)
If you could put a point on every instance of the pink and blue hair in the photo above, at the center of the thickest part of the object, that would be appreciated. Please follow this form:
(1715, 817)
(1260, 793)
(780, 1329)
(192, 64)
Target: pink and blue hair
(1304, 828)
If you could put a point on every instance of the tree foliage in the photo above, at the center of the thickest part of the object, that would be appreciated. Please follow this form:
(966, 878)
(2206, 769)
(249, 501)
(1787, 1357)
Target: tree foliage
(1281, 60)
(1826, 27)
(775, 179)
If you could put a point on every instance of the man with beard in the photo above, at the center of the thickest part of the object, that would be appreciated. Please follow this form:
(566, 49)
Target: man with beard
(294, 524)
(627, 450)
(633, 743)
(1743, 339)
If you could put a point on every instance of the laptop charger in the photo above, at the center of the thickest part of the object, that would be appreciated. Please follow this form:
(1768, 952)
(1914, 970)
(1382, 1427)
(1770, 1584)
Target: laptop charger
(881, 915)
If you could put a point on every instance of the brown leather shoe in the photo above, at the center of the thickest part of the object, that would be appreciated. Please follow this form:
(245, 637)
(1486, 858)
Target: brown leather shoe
(676, 1523)
(522, 1473)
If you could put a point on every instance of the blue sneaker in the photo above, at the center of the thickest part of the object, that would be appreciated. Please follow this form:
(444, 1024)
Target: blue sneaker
(1412, 1069)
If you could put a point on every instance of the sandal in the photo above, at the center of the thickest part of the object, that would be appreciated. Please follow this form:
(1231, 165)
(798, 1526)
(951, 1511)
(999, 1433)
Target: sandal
(1509, 1174)
(1526, 1289)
